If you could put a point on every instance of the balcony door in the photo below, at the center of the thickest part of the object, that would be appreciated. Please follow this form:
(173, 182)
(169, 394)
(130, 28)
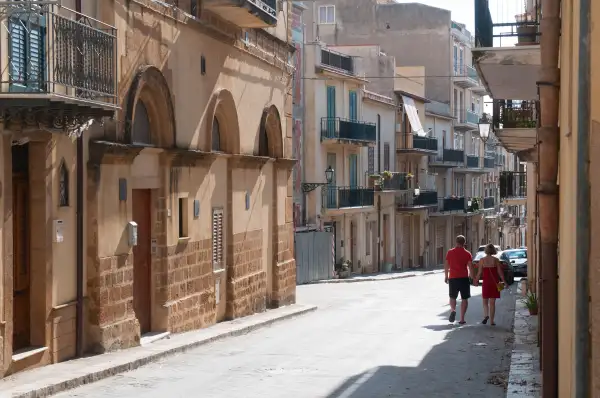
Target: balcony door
(331, 190)
(353, 170)
(331, 112)
(353, 111)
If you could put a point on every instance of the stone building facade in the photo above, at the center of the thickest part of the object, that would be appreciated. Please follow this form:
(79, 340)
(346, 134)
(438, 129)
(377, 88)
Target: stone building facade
(178, 210)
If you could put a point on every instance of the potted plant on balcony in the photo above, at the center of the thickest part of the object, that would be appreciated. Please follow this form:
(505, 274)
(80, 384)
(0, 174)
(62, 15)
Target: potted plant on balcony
(386, 174)
(374, 181)
(409, 175)
(526, 28)
(531, 303)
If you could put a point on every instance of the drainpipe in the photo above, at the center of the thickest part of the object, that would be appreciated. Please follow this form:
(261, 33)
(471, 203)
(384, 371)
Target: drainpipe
(79, 327)
(548, 138)
(379, 169)
(582, 224)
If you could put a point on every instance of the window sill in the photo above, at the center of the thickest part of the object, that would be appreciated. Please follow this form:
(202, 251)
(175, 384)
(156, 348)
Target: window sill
(183, 239)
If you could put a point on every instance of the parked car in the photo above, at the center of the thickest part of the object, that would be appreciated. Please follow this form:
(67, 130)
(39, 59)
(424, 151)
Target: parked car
(517, 258)
(482, 248)
(509, 275)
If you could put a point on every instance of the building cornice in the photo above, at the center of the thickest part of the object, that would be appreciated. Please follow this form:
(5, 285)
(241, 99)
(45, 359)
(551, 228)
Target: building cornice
(381, 99)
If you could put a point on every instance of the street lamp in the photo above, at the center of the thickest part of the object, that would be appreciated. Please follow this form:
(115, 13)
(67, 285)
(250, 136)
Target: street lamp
(311, 186)
(484, 126)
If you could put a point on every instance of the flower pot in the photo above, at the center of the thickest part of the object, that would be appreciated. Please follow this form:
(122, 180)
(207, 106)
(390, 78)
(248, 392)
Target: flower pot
(533, 311)
(344, 274)
(527, 34)
(388, 267)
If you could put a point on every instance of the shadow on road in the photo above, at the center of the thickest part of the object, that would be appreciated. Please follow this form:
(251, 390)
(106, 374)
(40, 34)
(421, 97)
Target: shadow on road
(467, 363)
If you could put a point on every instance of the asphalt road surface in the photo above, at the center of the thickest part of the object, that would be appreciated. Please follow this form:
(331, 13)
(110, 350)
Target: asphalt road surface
(367, 340)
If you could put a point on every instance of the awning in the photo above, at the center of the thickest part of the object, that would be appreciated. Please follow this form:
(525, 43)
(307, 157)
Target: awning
(413, 116)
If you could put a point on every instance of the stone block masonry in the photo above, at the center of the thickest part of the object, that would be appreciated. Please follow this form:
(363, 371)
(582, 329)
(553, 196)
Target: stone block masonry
(284, 271)
(246, 276)
(191, 286)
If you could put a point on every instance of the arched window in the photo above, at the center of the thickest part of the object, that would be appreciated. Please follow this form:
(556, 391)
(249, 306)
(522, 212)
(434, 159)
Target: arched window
(63, 185)
(216, 136)
(263, 142)
(141, 125)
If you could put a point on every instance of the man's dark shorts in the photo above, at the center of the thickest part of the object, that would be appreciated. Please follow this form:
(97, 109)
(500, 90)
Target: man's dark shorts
(460, 285)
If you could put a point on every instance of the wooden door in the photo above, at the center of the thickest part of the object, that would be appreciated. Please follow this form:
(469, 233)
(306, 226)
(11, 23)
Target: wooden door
(352, 244)
(142, 259)
(21, 266)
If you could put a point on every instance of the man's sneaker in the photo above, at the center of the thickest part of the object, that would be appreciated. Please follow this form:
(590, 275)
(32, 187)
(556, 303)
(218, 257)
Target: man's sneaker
(452, 317)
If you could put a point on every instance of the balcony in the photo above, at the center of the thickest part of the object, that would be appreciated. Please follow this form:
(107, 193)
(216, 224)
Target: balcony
(507, 50)
(245, 13)
(448, 158)
(412, 143)
(407, 201)
(489, 202)
(347, 197)
(513, 187)
(456, 205)
(465, 76)
(489, 163)
(473, 162)
(515, 123)
(60, 67)
(466, 121)
(336, 62)
(345, 131)
(398, 182)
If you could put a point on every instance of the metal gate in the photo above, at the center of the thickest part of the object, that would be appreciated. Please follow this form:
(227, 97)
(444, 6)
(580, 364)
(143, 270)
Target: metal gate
(314, 256)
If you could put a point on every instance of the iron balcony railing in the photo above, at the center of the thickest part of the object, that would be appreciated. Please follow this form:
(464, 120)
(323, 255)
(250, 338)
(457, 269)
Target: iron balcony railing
(345, 129)
(489, 202)
(398, 182)
(472, 117)
(452, 204)
(511, 114)
(489, 163)
(425, 143)
(473, 162)
(407, 200)
(513, 184)
(338, 61)
(515, 21)
(455, 156)
(54, 50)
(343, 197)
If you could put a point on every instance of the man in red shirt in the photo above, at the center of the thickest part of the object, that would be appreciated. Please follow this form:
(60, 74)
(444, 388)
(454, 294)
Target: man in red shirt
(457, 269)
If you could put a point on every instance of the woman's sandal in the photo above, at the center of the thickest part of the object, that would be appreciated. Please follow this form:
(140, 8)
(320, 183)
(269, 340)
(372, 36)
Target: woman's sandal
(493, 323)
(485, 320)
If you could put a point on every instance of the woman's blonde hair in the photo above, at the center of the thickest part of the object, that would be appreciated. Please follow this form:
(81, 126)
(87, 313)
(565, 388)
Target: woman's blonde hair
(490, 250)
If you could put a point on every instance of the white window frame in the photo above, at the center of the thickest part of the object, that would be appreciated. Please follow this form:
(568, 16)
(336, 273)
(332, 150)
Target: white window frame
(329, 14)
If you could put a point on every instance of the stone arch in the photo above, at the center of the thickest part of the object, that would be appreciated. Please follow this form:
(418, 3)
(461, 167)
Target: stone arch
(270, 134)
(150, 88)
(222, 109)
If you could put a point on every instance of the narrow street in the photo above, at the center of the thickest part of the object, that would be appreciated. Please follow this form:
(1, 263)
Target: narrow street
(367, 340)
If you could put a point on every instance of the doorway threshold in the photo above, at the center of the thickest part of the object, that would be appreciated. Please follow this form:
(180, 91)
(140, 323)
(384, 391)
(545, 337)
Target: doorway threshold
(151, 337)
(27, 352)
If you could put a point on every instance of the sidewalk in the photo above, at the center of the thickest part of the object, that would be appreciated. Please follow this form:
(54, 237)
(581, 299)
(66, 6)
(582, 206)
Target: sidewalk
(525, 378)
(384, 276)
(48, 380)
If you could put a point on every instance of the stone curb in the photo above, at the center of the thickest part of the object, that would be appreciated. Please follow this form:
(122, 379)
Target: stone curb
(376, 278)
(118, 367)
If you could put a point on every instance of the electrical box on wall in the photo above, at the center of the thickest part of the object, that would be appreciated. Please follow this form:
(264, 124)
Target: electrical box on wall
(132, 233)
(59, 236)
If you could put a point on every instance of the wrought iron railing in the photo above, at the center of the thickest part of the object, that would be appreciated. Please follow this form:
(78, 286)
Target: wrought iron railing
(515, 21)
(407, 200)
(489, 202)
(452, 204)
(489, 163)
(338, 128)
(343, 197)
(473, 162)
(337, 60)
(425, 143)
(511, 114)
(55, 50)
(397, 182)
(513, 184)
(454, 156)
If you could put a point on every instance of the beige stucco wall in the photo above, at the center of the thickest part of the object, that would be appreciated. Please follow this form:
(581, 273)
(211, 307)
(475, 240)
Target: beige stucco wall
(411, 79)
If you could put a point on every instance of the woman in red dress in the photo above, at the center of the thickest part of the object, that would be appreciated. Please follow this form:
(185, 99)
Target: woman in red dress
(491, 271)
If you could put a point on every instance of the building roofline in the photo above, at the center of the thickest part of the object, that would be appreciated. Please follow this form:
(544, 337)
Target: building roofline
(413, 96)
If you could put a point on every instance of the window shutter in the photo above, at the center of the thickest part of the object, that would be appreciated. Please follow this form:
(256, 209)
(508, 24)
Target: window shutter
(371, 157)
(386, 156)
(35, 74)
(217, 238)
(17, 50)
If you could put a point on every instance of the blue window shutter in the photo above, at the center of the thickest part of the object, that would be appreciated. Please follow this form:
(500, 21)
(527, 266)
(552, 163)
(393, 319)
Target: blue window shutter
(35, 73)
(18, 52)
(353, 106)
(353, 165)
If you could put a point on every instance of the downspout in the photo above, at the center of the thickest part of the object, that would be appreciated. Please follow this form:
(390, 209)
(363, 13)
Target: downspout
(379, 196)
(582, 224)
(548, 138)
(79, 327)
